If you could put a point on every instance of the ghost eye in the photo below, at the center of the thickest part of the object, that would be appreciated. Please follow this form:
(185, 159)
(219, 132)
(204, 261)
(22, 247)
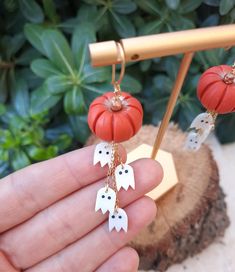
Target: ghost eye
(113, 216)
(196, 142)
(191, 140)
(109, 197)
(126, 171)
(103, 196)
(100, 152)
(202, 121)
(120, 172)
(120, 217)
(107, 152)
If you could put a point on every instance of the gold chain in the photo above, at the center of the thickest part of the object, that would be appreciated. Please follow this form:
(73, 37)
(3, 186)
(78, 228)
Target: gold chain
(111, 180)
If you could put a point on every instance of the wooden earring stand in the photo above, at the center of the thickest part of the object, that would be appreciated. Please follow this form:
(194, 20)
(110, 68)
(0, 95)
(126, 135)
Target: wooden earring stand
(159, 45)
(193, 213)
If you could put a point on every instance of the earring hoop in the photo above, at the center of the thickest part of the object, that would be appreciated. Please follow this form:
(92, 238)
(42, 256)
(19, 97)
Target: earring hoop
(121, 57)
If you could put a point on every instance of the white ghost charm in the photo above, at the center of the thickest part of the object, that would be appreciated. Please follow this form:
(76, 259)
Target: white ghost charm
(203, 121)
(105, 200)
(193, 141)
(103, 152)
(124, 175)
(118, 220)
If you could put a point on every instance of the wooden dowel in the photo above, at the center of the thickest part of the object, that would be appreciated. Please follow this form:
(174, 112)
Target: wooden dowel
(183, 69)
(163, 44)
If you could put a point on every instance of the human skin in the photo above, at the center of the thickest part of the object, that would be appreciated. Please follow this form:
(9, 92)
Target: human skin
(48, 222)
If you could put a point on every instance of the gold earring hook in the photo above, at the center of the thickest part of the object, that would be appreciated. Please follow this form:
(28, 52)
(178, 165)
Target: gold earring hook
(121, 57)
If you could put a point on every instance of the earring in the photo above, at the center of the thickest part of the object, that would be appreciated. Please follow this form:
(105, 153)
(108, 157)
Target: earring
(216, 92)
(114, 117)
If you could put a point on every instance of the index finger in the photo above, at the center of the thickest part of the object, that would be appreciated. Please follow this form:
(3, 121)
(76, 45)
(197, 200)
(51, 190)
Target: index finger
(32, 189)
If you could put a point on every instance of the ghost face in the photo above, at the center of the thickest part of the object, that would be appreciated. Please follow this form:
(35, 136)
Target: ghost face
(118, 220)
(193, 141)
(103, 152)
(203, 121)
(124, 175)
(105, 200)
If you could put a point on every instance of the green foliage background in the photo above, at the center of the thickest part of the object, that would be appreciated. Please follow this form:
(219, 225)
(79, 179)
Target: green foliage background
(47, 83)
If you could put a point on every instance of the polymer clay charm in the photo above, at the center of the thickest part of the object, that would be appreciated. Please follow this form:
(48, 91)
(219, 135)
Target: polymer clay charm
(114, 117)
(118, 220)
(216, 92)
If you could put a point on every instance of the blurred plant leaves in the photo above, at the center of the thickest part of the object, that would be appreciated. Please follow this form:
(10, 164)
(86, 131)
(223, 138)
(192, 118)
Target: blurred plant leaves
(58, 51)
(31, 10)
(44, 68)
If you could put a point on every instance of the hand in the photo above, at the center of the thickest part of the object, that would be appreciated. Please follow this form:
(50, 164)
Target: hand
(48, 222)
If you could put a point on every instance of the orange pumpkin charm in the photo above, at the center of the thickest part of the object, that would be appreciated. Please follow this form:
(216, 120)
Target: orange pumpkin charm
(115, 117)
(216, 89)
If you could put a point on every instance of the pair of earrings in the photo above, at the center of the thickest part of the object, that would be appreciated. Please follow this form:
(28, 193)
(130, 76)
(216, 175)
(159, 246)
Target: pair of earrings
(114, 117)
(216, 92)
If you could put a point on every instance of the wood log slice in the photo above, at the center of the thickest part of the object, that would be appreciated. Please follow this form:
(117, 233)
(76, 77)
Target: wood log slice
(192, 214)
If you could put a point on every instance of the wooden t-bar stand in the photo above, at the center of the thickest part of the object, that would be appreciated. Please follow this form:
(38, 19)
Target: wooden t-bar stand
(165, 44)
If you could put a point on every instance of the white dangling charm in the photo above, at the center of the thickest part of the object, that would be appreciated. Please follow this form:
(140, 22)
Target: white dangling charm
(124, 175)
(105, 200)
(203, 121)
(193, 141)
(118, 220)
(199, 129)
(103, 152)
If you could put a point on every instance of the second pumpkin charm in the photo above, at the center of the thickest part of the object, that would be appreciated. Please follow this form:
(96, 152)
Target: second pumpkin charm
(216, 92)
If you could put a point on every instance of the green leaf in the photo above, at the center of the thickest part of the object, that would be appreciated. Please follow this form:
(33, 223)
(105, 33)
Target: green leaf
(225, 6)
(3, 86)
(150, 6)
(2, 109)
(213, 3)
(80, 127)
(58, 50)
(16, 43)
(4, 155)
(27, 57)
(151, 28)
(162, 84)
(172, 4)
(40, 153)
(50, 10)
(20, 96)
(34, 35)
(92, 75)
(19, 159)
(145, 65)
(130, 84)
(74, 101)
(187, 6)
(31, 11)
(58, 84)
(82, 36)
(225, 128)
(122, 25)
(42, 101)
(124, 6)
(44, 68)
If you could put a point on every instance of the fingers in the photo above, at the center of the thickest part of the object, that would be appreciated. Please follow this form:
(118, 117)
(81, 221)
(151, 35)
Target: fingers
(125, 260)
(5, 265)
(30, 190)
(70, 219)
(99, 244)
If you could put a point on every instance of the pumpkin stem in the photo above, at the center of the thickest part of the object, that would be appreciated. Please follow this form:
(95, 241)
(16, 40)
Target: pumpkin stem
(229, 77)
(116, 103)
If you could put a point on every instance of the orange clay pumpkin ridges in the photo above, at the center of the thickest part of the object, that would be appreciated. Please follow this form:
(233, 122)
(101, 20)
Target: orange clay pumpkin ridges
(216, 89)
(110, 124)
